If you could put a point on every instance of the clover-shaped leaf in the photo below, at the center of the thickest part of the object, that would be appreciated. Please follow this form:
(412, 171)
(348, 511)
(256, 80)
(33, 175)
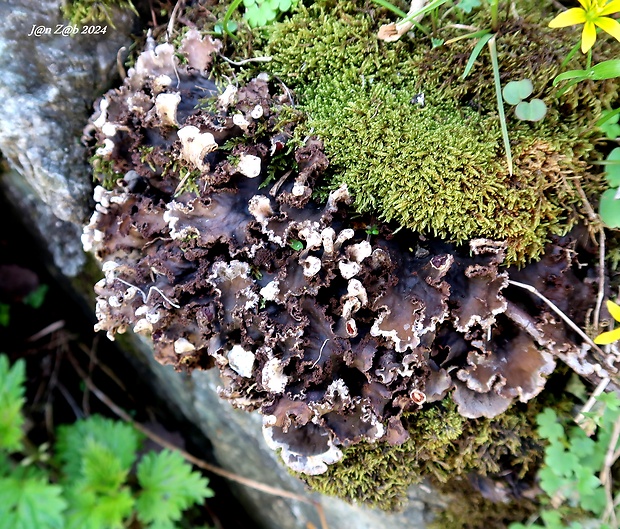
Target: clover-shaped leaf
(612, 170)
(609, 208)
(516, 91)
(535, 110)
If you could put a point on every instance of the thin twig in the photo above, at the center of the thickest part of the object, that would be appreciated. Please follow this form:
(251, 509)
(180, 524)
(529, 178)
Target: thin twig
(192, 459)
(90, 352)
(173, 17)
(591, 401)
(596, 224)
(245, 61)
(79, 414)
(52, 327)
(561, 314)
(601, 278)
(605, 475)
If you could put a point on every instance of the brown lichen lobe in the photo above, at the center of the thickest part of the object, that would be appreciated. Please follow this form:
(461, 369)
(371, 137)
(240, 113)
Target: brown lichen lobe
(331, 333)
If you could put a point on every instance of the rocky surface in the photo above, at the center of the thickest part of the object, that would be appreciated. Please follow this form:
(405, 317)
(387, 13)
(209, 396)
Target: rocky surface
(47, 89)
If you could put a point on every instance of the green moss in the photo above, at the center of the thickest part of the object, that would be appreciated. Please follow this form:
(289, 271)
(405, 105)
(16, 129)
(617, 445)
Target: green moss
(81, 12)
(466, 508)
(104, 172)
(442, 446)
(440, 168)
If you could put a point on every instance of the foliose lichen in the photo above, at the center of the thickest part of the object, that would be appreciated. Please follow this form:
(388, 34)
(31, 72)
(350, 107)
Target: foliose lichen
(334, 334)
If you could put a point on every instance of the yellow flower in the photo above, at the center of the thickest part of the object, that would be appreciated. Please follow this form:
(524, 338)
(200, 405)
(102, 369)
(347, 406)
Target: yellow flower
(594, 13)
(611, 336)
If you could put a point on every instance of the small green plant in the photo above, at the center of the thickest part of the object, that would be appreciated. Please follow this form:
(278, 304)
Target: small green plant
(609, 123)
(33, 299)
(576, 474)
(296, 245)
(258, 13)
(609, 207)
(515, 93)
(90, 483)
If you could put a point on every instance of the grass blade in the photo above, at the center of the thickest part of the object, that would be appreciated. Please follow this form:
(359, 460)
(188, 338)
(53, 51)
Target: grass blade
(391, 7)
(500, 102)
(231, 9)
(474, 54)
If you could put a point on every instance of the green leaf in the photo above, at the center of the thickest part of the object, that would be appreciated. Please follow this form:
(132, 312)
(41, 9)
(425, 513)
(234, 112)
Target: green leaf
(609, 208)
(577, 388)
(89, 510)
(5, 314)
(500, 102)
(549, 426)
(610, 400)
(594, 501)
(516, 91)
(475, 53)
(169, 487)
(30, 503)
(608, 123)
(535, 110)
(391, 7)
(612, 170)
(562, 462)
(285, 5)
(296, 245)
(580, 444)
(550, 482)
(36, 298)
(586, 481)
(605, 70)
(468, 5)
(12, 400)
(119, 438)
(552, 519)
(426, 9)
(571, 74)
(102, 470)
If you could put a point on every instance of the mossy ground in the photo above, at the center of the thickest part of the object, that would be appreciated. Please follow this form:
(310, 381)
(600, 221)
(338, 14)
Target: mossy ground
(443, 445)
(440, 168)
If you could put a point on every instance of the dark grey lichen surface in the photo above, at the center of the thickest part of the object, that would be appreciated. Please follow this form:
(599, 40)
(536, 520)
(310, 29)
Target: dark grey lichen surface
(219, 252)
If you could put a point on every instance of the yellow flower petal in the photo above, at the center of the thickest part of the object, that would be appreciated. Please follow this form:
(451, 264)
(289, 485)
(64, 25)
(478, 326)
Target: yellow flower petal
(608, 337)
(587, 4)
(610, 26)
(571, 17)
(588, 36)
(611, 7)
(614, 309)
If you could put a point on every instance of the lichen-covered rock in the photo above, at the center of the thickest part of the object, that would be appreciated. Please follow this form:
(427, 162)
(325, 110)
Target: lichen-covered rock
(226, 261)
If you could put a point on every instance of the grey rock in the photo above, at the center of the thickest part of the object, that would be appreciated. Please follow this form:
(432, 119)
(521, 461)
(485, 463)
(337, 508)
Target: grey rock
(60, 238)
(47, 88)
